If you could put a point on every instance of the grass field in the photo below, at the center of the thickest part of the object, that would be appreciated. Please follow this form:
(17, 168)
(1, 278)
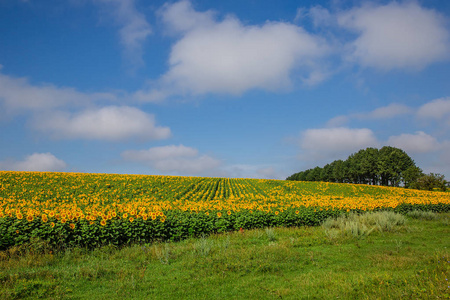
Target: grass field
(410, 261)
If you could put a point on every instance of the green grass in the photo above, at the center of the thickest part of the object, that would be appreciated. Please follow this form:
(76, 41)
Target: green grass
(411, 260)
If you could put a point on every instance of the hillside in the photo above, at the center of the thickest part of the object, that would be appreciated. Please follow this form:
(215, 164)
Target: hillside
(96, 209)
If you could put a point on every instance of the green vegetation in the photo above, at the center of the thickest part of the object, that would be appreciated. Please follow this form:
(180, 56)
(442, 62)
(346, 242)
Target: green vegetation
(407, 259)
(388, 166)
(69, 210)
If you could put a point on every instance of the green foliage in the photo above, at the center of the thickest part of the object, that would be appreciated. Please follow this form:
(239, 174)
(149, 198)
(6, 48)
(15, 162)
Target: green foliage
(423, 215)
(430, 182)
(192, 208)
(388, 166)
(300, 263)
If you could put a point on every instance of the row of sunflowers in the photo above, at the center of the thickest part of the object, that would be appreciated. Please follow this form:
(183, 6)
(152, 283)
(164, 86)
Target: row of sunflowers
(89, 210)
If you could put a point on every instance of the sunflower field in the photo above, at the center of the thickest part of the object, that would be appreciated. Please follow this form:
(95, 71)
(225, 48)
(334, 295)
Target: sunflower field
(91, 210)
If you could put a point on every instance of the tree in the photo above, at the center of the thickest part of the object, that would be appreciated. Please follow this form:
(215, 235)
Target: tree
(411, 175)
(314, 174)
(339, 170)
(368, 165)
(327, 173)
(387, 166)
(392, 162)
(430, 182)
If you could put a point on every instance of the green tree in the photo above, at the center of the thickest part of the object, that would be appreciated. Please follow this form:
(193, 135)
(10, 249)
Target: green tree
(392, 162)
(368, 166)
(411, 175)
(430, 182)
(339, 170)
(327, 173)
(314, 174)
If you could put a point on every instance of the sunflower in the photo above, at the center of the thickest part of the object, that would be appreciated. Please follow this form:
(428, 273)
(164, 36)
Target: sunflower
(219, 214)
(131, 219)
(44, 218)
(72, 225)
(52, 224)
(30, 218)
(103, 222)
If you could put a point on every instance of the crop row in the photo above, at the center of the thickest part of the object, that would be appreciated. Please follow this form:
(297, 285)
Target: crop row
(95, 209)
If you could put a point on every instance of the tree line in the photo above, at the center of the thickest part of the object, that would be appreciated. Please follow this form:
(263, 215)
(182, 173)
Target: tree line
(388, 166)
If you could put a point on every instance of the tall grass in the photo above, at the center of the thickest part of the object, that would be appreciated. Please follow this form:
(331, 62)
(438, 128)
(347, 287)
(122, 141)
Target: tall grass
(423, 215)
(360, 226)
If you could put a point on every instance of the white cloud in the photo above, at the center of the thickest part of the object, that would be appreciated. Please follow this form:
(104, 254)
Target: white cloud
(390, 111)
(445, 158)
(387, 112)
(179, 159)
(160, 153)
(397, 35)
(438, 109)
(267, 173)
(420, 142)
(19, 94)
(35, 162)
(320, 16)
(181, 17)
(328, 143)
(226, 56)
(109, 123)
(134, 28)
(338, 121)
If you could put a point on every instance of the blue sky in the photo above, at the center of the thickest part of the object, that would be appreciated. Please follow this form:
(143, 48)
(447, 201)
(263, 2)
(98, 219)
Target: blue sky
(221, 88)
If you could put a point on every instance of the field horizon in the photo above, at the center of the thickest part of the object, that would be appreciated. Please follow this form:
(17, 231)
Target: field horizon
(68, 235)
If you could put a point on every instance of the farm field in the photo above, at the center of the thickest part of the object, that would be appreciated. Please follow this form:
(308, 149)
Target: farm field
(410, 261)
(91, 210)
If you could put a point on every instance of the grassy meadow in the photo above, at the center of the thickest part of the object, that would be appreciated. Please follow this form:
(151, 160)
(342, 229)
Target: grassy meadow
(78, 236)
(411, 260)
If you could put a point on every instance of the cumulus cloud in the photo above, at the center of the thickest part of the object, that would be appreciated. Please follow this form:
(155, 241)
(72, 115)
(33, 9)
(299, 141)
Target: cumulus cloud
(390, 111)
(420, 142)
(19, 94)
(438, 109)
(35, 162)
(181, 17)
(331, 142)
(226, 56)
(179, 159)
(396, 35)
(338, 121)
(111, 123)
(387, 112)
(134, 28)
